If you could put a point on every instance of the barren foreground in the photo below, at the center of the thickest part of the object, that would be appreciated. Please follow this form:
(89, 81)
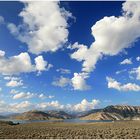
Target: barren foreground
(125, 129)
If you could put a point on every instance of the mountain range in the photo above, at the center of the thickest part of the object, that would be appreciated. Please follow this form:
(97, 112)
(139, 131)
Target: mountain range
(41, 115)
(112, 112)
(117, 112)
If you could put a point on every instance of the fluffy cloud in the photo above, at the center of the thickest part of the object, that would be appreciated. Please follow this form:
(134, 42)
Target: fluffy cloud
(15, 64)
(112, 35)
(51, 96)
(11, 78)
(20, 107)
(63, 71)
(50, 105)
(84, 105)
(44, 26)
(126, 61)
(80, 53)
(61, 82)
(26, 95)
(138, 58)
(21, 64)
(135, 71)
(13, 83)
(2, 53)
(112, 83)
(42, 96)
(23, 95)
(78, 81)
(15, 107)
(41, 64)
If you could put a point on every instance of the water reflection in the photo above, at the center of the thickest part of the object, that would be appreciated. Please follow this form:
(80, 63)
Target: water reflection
(65, 120)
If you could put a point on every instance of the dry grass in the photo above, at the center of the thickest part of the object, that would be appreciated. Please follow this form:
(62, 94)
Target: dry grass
(116, 130)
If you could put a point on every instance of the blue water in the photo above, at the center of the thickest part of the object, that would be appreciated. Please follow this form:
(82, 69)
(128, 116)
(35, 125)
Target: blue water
(66, 120)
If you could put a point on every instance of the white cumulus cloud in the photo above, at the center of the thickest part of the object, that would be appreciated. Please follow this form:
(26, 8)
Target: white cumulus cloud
(15, 107)
(136, 72)
(23, 95)
(15, 64)
(23, 106)
(44, 26)
(41, 64)
(2, 53)
(79, 82)
(20, 107)
(112, 83)
(112, 36)
(14, 83)
(42, 96)
(138, 58)
(61, 82)
(126, 61)
(85, 105)
(51, 105)
(21, 64)
(51, 96)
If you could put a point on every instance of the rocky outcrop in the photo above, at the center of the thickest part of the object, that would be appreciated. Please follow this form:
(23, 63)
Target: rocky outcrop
(117, 112)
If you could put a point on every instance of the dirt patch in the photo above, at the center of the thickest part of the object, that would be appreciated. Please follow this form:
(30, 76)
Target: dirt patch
(59, 130)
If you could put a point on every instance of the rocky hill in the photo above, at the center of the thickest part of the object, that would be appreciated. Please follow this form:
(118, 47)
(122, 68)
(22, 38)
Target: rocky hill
(34, 115)
(59, 114)
(85, 113)
(117, 112)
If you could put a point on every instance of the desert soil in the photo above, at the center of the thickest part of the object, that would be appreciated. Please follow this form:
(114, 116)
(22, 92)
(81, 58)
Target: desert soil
(60, 130)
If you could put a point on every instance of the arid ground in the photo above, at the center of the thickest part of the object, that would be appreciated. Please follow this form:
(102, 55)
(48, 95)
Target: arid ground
(115, 130)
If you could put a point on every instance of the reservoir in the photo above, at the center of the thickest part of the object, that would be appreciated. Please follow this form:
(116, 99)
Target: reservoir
(65, 120)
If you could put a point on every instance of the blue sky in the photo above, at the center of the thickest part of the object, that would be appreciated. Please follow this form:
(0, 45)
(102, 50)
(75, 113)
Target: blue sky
(69, 55)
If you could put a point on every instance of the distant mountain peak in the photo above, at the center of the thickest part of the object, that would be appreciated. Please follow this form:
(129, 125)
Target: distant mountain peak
(115, 112)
